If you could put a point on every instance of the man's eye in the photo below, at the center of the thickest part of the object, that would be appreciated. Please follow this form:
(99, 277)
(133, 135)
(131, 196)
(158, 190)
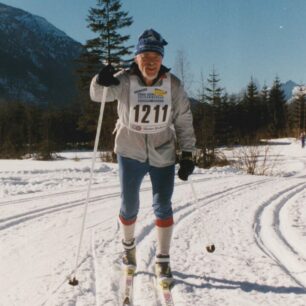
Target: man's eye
(151, 59)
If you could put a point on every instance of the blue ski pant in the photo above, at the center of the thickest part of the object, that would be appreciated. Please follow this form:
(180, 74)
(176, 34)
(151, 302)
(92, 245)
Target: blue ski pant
(131, 173)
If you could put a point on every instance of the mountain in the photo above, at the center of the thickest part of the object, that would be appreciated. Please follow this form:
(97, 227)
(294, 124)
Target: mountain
(287, 88)
(36, 59)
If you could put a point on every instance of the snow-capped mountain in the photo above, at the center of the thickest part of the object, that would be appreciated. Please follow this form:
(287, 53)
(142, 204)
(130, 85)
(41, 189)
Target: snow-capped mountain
(288, 88)
(36, 59)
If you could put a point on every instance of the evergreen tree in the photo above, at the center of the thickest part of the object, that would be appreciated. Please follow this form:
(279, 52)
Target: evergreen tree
(277, 110)
(297, 111)
(12, 129)
(213, 90)
(251, 110)
(32, 129)
(264, 115)
(213, 96)
(105, 20)
(229, 119)
(202, 114)
(46, 147)
(233, 119)
(203, 127)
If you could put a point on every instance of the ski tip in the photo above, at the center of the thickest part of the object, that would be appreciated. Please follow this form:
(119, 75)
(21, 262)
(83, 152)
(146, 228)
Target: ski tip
(130, 270)
(166, 283)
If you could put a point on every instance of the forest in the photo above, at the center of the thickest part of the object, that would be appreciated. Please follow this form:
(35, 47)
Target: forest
(219, 118)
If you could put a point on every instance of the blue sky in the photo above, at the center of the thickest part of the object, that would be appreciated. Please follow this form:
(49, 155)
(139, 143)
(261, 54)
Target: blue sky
(240, 38)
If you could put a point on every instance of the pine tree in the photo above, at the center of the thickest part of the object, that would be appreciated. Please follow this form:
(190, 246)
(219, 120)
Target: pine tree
(233, 119)
(277, 110)
(213, 96)
(105, 20)
(298, 110)
(264, 115)
(12, 129)
(252, 112)
(203, 127)
(229, 118)
(214, 92)
(33, 117)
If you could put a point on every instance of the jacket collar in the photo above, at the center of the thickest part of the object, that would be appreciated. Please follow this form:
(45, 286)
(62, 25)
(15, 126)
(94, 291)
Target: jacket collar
(134, 70)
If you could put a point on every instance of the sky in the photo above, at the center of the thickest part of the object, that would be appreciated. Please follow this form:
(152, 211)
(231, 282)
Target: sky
(240, 39)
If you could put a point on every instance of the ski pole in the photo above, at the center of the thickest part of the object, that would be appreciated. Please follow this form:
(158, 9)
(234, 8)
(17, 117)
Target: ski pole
(73, 280)
(210, 247)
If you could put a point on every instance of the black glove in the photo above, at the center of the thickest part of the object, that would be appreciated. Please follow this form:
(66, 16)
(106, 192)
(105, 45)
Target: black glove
(106, 76)
(186, 166)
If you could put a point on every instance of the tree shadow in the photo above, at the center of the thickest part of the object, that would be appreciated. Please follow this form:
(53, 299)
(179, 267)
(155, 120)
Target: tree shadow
(219, 283)
(276, 143)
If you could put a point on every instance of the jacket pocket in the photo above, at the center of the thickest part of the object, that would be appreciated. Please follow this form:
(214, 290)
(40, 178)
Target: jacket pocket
(163, 139)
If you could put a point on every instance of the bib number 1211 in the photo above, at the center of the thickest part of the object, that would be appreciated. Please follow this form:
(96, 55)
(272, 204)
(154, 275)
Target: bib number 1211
(146, 113)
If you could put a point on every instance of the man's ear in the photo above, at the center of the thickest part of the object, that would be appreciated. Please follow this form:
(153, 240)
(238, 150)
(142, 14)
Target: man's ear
(136, 59)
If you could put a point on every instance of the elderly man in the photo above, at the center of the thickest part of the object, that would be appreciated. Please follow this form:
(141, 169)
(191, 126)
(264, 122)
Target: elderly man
(154, 114)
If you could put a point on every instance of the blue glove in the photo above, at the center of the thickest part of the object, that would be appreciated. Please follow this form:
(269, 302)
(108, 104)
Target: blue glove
(186, 166)
(106, 76)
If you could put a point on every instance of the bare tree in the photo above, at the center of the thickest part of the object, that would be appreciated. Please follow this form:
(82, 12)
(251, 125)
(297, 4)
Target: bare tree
(183, 71)
(256, 159)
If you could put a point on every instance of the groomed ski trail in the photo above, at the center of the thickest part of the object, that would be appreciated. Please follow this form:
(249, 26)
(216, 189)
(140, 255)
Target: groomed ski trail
(270, 234)
(101, 255)
(145, 290)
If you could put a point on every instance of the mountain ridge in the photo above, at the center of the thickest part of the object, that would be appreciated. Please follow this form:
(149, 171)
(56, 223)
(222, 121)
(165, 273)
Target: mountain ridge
(37, 60)
(288, 88)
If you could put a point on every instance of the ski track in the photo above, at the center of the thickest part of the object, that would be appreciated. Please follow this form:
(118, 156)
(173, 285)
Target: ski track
(145, 291)
(191, 213)
(270, 238)
(145, 234)
(92, 199)
(36, 213)
(145, 276)
(184, 288)
(81, 190)
(89, 274)
(144, 279)
(96, 282)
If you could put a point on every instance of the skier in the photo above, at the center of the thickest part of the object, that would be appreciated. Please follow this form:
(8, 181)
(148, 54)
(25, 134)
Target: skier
(303, 139)
(154, 113)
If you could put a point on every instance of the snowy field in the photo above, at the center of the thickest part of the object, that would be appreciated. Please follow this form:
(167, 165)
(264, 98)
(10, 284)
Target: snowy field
(257, 223)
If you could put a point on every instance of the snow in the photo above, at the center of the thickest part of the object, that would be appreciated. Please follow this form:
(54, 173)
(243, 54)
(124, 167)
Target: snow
(299, 91)
(31, 22)
(257, 223)
(39, 24)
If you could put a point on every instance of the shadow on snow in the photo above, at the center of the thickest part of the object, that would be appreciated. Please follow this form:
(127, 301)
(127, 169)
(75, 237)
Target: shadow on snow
(218, 283)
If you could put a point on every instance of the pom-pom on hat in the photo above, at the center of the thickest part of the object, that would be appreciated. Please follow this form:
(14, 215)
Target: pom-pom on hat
(150, 40)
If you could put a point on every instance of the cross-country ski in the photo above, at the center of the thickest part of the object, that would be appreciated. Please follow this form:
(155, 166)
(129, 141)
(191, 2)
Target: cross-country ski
(166, 295)
(127, 294)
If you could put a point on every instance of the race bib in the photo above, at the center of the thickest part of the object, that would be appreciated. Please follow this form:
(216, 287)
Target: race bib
(150, 106)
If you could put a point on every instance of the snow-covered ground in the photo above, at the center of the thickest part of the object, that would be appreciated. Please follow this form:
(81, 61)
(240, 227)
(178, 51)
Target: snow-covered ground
(257, 223)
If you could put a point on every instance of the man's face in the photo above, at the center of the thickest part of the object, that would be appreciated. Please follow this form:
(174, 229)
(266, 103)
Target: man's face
(149, 64)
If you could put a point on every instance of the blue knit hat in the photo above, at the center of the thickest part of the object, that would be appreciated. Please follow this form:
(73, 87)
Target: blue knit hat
(150, 40)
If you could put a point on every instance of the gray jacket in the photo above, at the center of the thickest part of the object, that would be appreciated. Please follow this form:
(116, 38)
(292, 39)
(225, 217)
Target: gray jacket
(159, 148)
